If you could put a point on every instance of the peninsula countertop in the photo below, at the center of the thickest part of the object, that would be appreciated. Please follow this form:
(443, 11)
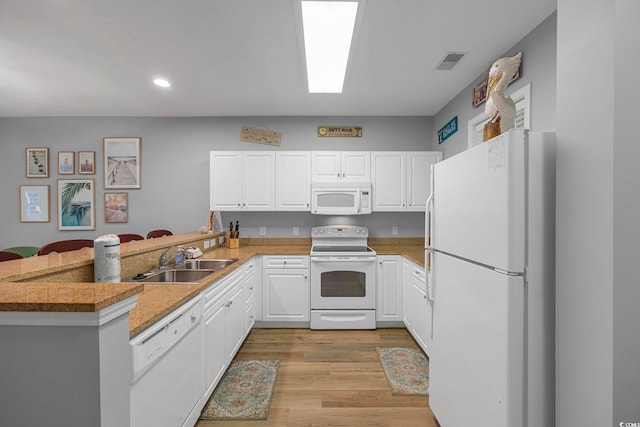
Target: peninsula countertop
(155, 300)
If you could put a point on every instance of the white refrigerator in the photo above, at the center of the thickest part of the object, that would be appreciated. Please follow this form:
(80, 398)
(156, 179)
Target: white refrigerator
(490, 260)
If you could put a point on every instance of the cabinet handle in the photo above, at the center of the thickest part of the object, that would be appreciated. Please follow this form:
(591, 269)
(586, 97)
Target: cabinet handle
(338, 174)
(305, 277)
(344, 174)
(251, 288)
(230, 302)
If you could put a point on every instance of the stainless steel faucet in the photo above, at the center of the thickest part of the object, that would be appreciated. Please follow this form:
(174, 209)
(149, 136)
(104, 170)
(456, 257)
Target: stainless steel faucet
(163, 258)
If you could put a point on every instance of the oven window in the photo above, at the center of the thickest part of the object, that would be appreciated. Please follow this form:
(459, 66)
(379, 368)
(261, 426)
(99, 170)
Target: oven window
(336, 200)
(343, 284)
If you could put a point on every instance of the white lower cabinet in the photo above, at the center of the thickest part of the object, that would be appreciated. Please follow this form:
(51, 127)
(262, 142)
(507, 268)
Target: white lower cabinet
(389, 288)
(224, 332)
(417, 307)
(285, 289)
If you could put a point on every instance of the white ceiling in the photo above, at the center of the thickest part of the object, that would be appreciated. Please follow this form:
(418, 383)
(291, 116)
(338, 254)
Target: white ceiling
(241, 57)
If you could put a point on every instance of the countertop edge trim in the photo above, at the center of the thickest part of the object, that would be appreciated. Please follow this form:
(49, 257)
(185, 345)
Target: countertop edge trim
(41, 318)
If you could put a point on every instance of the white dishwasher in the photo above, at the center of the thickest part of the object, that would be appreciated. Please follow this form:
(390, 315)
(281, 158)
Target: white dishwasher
(166, 364)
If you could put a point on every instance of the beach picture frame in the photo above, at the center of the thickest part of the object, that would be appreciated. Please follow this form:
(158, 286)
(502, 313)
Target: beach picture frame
(122, 162)
(76, 204)
(37, 162)
(116, 207)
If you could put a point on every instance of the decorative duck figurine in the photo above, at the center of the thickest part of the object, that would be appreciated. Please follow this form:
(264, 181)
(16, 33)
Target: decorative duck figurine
(500, 108)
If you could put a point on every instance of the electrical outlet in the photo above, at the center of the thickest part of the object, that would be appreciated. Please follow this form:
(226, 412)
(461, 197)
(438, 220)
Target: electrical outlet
(221, 241)
(206, 244)
(263, 230)
(296, 231)
(394, 230)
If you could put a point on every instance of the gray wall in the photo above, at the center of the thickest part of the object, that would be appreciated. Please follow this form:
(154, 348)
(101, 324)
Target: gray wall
(598, 338)
(175, 169)
(538, 68)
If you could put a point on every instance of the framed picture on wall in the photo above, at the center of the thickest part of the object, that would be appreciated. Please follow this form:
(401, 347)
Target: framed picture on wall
(86, 162)
(479, 94)
(66, 162)
(116, 207)
(37, 162)
(122, 162)
(76, 204)
(34, 203)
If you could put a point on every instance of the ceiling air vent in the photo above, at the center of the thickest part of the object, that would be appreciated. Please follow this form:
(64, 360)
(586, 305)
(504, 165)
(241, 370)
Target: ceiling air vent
(450, 60)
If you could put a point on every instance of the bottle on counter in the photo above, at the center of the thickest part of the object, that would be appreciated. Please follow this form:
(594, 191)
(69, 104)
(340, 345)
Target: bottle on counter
(180, 255)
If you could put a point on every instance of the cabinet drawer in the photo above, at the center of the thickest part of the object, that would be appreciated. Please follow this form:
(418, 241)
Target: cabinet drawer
(298, 261)
(217, 289)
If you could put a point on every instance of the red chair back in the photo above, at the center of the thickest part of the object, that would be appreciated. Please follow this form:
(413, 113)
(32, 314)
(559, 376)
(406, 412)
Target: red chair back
(158, 233)
(124, 238)
(65, 246)
(8, 256)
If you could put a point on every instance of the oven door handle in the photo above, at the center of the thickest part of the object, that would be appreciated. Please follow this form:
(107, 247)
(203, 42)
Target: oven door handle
(332, 259)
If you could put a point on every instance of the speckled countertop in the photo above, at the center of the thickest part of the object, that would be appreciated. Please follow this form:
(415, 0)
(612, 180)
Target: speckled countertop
(155, 301)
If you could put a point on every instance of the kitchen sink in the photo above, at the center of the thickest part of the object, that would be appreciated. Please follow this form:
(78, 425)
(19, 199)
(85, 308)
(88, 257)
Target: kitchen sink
(192, 271)
(206, 264)
(177, 276)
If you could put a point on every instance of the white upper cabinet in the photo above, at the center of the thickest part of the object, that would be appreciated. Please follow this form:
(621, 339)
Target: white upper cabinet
(341, 166)
(293, 181)
(419, 178)
(241, 180)
(225, 180)
(401, 180)
(389, 170)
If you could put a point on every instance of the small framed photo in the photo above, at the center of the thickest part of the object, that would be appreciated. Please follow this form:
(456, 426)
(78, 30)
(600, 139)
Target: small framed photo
(37, 162)
(116, 207)
(479, 94)
(66, 162)
(122, 162)
(86, 162)
(76, 204)
(34, 203)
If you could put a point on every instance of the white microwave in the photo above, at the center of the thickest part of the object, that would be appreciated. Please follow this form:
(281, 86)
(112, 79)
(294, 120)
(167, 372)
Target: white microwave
(340, 198)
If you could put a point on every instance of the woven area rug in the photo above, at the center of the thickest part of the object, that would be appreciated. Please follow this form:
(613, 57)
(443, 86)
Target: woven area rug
(244, 392)
(407, 370)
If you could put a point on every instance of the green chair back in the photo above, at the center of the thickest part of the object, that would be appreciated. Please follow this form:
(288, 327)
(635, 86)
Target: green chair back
(24, 251)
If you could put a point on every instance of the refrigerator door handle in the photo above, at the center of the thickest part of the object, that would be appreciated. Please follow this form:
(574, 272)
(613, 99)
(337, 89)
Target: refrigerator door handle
(429, 275)
(429, 209)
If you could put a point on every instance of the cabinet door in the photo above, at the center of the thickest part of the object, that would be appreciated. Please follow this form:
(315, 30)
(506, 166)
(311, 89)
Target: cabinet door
(293, 181)
(285, 295)
(215, 351)
(419, 178)
(388, 169)
(421, 316)
(225, 180)
(258, 183)
(325, 166)
(355, 166)
(234, 331)
(407, 306)
(389, 288)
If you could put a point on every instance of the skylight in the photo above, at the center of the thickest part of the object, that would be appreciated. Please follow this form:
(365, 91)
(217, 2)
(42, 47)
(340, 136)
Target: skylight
(328, 29)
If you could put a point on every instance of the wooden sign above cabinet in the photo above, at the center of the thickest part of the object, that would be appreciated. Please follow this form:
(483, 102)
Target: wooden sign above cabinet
(340, 131)
(260, 136)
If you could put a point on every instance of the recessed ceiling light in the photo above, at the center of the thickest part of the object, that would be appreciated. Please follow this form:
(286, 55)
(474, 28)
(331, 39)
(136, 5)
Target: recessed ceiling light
(328, 28)
(162, 83)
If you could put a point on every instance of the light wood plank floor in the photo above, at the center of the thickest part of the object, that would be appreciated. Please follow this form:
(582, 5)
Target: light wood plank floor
(331, 378)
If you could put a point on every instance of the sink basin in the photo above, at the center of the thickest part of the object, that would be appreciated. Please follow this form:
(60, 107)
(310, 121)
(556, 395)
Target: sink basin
(206, 264)
(177, 276)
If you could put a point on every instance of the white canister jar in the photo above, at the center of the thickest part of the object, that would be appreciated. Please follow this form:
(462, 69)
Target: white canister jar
(106, 259)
